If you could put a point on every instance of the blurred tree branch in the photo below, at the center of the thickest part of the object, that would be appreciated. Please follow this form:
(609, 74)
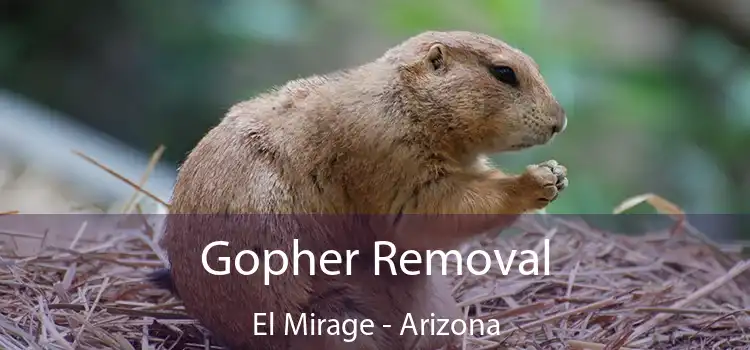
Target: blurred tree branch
(728, 16)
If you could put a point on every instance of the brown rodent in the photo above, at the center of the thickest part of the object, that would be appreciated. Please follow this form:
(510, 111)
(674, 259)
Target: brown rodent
(405, 134)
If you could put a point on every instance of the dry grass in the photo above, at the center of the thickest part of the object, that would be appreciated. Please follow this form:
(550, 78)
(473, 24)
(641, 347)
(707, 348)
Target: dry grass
(663, 290)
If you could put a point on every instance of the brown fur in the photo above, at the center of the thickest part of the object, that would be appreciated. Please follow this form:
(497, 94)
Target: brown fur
(404, 134)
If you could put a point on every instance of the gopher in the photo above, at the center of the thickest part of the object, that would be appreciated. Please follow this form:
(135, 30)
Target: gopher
(393, 150)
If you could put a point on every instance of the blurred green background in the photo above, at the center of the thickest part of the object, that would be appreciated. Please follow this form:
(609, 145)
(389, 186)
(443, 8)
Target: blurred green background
(657, 92)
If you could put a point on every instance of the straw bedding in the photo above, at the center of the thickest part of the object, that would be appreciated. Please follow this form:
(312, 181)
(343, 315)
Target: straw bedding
(657, 291)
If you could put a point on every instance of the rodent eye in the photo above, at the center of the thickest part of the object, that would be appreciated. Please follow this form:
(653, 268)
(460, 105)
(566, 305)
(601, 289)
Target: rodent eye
(505, 74)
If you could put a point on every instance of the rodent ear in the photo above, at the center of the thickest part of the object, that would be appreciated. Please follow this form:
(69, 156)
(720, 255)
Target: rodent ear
(435, 58)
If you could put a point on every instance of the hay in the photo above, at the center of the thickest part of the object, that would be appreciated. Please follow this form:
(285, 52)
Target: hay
(658, 291)
(605, 291)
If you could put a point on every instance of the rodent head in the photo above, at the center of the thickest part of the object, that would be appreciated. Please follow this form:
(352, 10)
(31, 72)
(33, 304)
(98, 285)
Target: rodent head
(477, 89)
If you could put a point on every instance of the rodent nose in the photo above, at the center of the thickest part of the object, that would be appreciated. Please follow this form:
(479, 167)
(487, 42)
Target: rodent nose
(560, 127)
(562, 121)
(556, 129)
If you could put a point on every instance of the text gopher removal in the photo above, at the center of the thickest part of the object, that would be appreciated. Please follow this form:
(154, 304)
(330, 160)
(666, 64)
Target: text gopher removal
(409, 263)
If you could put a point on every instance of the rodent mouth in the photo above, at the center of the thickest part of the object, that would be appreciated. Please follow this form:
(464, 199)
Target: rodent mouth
(520, 146)
(528, 142)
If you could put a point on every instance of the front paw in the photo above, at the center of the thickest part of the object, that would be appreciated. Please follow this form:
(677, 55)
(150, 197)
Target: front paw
(542, 183)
